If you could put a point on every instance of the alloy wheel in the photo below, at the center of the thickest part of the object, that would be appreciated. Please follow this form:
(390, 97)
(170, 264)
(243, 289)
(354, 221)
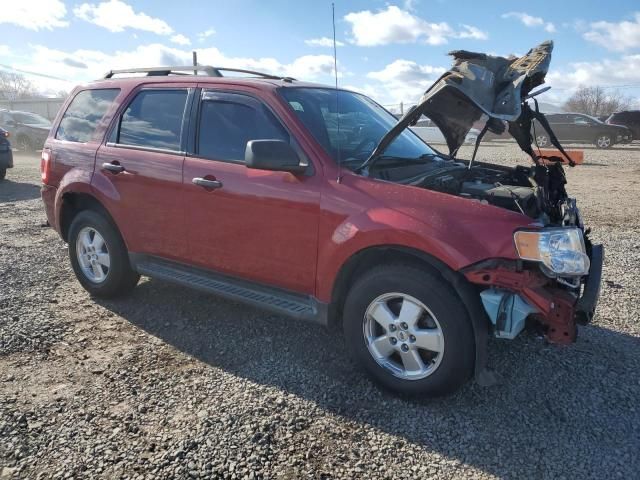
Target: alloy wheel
(23, 144)
(542, 140)
(603, 141)
(93, 255)
(403, 336)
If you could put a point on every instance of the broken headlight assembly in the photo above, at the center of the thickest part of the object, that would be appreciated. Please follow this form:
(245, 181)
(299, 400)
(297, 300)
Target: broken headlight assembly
(560, 251)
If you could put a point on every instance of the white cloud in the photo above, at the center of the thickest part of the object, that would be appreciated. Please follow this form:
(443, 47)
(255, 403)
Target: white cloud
(394, 25)
(323, 42)
(206, 34)
(469, 31)
(34, 14)
(116, 16)
(180, 39)
(531, 21)
(97, 63)
(607, 72)
(616, 36)
(4, 50)
(403, 81)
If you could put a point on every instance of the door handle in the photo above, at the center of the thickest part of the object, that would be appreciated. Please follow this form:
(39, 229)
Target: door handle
(205, 183)
(113, 167)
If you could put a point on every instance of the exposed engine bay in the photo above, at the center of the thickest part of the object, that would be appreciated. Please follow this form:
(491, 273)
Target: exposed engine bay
(499, 89)
(537, 191)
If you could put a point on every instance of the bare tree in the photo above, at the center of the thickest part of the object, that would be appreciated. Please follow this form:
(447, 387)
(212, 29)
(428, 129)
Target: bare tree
(14, 86)
(596, 101)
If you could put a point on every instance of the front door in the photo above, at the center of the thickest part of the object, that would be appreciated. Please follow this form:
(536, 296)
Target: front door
(257, 225)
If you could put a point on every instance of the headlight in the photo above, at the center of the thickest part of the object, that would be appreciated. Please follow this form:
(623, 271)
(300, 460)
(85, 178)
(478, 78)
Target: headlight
(560, 250)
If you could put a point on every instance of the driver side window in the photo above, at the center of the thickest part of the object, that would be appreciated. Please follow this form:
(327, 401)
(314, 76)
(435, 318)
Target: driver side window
(229, 121)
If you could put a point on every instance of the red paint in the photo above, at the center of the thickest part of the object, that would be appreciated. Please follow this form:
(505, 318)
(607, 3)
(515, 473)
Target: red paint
(286, 230)
(556, 306)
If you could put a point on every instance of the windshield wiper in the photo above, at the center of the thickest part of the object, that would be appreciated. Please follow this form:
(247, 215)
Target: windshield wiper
(395, 160)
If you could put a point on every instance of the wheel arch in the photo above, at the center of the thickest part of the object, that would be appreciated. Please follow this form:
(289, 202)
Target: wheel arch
(73, 203)
(370, 257)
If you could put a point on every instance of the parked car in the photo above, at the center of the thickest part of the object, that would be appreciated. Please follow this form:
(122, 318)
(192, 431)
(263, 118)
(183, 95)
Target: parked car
(28, 130)
(245, 188)
(430, 133)
(629, 119)
(581, 128)
(6, 155)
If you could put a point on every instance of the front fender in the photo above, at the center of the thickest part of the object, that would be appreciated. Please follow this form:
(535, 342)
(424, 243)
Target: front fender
(458, 232)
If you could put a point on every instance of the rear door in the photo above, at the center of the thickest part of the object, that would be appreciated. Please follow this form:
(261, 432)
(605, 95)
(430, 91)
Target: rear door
(585, 129)
(559, 125)
(257, 225)
(139, 170)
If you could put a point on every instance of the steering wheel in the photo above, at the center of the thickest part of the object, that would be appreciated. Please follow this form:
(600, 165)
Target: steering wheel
(364, 148)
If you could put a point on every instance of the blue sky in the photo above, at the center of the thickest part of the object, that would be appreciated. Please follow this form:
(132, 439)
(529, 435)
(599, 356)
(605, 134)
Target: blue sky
(390, 50)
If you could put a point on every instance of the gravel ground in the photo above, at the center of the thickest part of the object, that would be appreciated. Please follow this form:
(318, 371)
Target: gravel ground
(171, 383)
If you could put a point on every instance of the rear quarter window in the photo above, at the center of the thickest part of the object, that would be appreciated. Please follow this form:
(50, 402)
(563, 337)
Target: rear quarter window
(85, 112)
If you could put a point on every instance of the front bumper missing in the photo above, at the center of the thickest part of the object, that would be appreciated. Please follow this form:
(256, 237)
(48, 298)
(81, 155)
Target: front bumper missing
(557, 308)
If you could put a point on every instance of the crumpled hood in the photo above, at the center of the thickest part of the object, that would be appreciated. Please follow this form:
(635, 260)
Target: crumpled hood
(477, 84)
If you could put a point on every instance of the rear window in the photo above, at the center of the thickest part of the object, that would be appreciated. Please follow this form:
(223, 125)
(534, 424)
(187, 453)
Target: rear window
(86, 110)
(154, 120)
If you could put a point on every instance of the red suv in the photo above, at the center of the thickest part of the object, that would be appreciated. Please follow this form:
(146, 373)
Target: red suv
(264, 190)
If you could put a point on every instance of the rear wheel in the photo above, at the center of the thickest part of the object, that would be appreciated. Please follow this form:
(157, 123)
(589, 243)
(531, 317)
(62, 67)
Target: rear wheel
(542, 140)
(99, 256)
(409, 331)
(604, 141)
(23, 143)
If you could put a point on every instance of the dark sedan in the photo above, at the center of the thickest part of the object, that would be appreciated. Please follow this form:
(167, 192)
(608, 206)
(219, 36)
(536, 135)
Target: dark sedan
(28, 130)
(580, 128)
(6, 155)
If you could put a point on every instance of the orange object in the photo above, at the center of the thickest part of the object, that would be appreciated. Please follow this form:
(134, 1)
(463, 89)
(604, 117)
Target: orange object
(576, 155)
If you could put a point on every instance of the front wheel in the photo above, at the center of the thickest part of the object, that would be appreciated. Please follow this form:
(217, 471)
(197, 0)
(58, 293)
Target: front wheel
(604, 141)
(99, 256)
(409, 331)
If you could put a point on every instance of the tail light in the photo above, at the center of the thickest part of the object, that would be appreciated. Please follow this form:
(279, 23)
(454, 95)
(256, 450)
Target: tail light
(45, 166)
(6, 134)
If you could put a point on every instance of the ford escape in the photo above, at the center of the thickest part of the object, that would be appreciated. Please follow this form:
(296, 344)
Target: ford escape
(318, 204)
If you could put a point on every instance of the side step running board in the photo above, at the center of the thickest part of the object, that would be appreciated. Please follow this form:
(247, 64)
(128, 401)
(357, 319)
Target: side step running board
(293, 305)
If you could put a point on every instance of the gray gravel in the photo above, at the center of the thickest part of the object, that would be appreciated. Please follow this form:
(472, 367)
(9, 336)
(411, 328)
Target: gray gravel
(171, 383)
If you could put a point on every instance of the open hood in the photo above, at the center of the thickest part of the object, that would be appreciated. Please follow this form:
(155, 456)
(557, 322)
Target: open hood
(478, 84)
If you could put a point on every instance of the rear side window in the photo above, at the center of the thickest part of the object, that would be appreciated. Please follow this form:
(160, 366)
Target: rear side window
(154, 120)
(86, 110)
(229, 121)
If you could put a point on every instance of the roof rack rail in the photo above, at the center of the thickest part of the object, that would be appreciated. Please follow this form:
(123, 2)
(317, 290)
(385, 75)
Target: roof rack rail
(193, 70)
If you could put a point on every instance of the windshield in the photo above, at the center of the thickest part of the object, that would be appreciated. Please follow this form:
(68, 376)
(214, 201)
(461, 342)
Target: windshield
(30, 119)
(354, 129)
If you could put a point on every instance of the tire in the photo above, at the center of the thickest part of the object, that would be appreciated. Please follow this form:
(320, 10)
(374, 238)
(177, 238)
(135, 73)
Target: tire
(541, 140)
(23, 143)
(3, 173)
(118, 278)
(604, 141)
(443, 322)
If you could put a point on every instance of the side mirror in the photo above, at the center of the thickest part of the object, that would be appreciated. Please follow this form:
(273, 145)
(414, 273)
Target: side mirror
(275, 155)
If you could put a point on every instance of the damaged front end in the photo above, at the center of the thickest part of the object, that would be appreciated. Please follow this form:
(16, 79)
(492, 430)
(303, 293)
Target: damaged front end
(557, 278)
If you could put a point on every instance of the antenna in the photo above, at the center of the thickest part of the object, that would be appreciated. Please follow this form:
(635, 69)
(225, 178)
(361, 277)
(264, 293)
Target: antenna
(335, 70)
